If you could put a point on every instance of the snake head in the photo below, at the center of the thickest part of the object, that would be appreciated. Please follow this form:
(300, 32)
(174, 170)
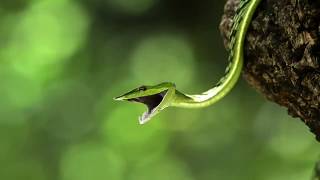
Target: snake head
(156, 98)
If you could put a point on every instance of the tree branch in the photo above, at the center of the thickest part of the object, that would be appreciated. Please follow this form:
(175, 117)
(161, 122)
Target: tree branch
(282, 55)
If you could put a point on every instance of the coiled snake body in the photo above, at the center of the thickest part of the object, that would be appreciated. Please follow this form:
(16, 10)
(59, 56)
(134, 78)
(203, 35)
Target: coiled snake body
(164, 95)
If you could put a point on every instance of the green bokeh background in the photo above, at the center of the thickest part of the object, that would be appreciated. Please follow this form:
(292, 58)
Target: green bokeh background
(62, 62)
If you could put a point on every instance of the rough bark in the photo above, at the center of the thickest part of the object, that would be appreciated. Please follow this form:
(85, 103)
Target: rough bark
(282, 55)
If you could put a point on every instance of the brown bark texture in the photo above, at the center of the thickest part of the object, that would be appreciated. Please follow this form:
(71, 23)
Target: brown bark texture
(282, 55)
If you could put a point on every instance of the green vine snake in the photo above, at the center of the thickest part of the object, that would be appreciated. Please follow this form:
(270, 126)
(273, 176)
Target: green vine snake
(165, 94)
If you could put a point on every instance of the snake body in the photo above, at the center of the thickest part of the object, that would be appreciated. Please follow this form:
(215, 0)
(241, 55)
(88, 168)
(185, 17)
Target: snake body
(165, 94)
(241, 22)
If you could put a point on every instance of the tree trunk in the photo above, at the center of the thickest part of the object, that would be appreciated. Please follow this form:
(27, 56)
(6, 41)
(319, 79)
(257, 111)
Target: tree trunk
(282, 55)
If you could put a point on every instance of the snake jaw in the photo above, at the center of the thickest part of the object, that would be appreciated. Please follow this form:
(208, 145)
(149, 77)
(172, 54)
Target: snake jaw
(153, 104)
(151, 101)
(146, 116)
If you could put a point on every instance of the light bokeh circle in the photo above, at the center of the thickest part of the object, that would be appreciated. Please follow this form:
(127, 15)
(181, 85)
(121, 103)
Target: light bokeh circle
(163, 57)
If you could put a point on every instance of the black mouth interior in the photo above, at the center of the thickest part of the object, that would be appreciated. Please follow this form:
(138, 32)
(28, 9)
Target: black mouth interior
(151, 101)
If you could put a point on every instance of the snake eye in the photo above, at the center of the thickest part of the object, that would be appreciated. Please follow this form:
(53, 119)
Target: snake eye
(142, 88)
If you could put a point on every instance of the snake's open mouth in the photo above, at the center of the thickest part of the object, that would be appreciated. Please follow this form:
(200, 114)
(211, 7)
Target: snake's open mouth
(152, 102)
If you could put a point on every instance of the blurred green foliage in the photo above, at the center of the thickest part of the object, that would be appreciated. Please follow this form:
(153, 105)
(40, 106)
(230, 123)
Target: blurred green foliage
(62, 61)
